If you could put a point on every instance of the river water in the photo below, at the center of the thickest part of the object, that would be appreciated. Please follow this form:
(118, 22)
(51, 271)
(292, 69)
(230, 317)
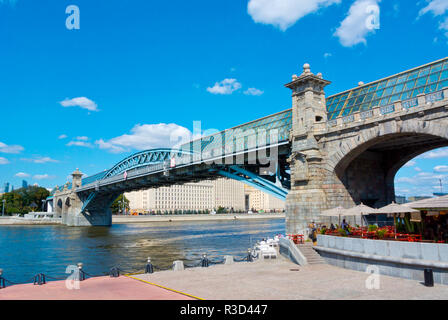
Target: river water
(29, 250)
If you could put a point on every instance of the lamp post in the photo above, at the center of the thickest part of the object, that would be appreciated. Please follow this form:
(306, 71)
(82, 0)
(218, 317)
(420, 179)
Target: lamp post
(3, 209)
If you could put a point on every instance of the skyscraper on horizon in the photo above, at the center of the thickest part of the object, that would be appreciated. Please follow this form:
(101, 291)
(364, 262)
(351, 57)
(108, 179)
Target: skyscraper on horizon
(24, 184)
(6, 187)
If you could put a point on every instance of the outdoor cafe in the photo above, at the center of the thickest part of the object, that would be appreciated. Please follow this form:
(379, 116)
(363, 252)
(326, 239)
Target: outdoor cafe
(420, 221)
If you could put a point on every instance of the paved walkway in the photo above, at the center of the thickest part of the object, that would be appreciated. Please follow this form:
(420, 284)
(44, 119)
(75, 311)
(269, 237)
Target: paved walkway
(101, 288)
(274, 280)
(262, 280)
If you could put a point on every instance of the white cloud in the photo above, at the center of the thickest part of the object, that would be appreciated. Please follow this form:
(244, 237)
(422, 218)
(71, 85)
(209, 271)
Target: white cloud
(79, 144)
(253, 92)
(3, 161)
(327, 55)
(43, 177)
(439, 153)
(436, 7)
(22, 175)
(358, 24)
(62, 136)
(284, 13)
(145, 137)
(10, 149)
(226, 86)
(410, 164)
(81, 102)
(441, 169)
(83, 138)
(39, 160)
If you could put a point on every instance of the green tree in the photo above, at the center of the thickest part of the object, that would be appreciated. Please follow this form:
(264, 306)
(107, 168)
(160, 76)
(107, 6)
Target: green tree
(117, 205)
(24, 200)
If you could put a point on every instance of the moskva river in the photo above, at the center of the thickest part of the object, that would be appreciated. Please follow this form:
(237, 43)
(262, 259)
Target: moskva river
(29, 250)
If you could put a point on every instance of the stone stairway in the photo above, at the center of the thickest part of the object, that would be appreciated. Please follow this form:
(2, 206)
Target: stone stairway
(310, 254)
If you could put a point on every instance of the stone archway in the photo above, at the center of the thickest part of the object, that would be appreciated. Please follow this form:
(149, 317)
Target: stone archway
(367, 163)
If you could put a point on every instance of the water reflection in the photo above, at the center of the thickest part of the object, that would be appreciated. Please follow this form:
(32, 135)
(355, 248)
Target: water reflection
(28, 250)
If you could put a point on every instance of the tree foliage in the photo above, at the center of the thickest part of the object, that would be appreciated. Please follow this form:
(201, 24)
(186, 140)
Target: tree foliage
(117, 205)
(24, 200)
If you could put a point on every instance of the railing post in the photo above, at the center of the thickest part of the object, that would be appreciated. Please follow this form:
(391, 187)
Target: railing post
(445, 93)
(421, 99)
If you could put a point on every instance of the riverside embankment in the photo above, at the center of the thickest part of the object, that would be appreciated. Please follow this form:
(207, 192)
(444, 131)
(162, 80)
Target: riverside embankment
(153, 218)
(195, 217)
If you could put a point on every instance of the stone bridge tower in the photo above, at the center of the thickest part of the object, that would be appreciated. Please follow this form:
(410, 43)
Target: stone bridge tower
(307, 197)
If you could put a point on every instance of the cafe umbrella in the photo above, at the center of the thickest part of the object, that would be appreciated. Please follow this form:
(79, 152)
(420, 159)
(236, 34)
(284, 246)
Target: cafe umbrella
(360, 210)
(335, 212)
(394, 209)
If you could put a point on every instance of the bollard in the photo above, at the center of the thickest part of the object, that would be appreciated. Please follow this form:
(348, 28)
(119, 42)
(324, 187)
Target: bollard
(178, 265)
(229, 260)
(114, 272)
(2, 280)
(249, 255)
(39, 279)
(149, 267)
(429, 278)
(204, 261)
(82, 276)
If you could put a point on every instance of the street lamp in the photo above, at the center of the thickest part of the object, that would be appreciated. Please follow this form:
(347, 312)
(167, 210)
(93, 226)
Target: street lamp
(3, 209)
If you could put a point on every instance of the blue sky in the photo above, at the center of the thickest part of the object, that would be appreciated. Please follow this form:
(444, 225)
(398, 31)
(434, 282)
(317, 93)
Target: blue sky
(137, 70)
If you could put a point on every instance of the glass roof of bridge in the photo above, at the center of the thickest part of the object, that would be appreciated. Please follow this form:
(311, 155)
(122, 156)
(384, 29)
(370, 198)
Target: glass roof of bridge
(406, 85)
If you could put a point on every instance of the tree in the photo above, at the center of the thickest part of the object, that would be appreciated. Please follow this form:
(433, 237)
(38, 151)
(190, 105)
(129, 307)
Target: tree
(117, 205)
(24, 200)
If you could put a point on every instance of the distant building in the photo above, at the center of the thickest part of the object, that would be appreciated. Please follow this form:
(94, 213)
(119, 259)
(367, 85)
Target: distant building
(24, 184)
(6, 187)
(198, 196)
(440, 194)
(417, 198)
(261, 201)
(400, 199)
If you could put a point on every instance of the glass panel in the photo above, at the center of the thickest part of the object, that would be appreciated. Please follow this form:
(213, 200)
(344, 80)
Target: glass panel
(391, 82)
(434, 77)
(409, 85)
(340, 105)
(395, 97)
(384, 101)
(430, 88)
(364, 90)
(436, 68)
(388, 91)
(423, 72)
(360, 99)
(365, 106)
(421, 81)
(355, 93)
(417, 92)
(368, 97)
(402, 78)
(350, 102)
(445, 65)
(331, 108)
(406, 95)
(398, 88)
(347, 111)
(442, 85)
(355, 109)
(382, 85)
(375, 103)
(379, 94)
(373, 87)
(444, 75)
(413, 75)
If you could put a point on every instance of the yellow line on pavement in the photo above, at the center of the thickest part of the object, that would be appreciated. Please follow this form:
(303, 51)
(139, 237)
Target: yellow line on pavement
(157, 285)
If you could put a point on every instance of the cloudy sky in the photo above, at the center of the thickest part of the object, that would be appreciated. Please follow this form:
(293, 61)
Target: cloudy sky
(137, 72)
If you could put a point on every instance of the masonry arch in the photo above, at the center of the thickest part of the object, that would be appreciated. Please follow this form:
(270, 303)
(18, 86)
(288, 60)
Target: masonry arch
(367, 163)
